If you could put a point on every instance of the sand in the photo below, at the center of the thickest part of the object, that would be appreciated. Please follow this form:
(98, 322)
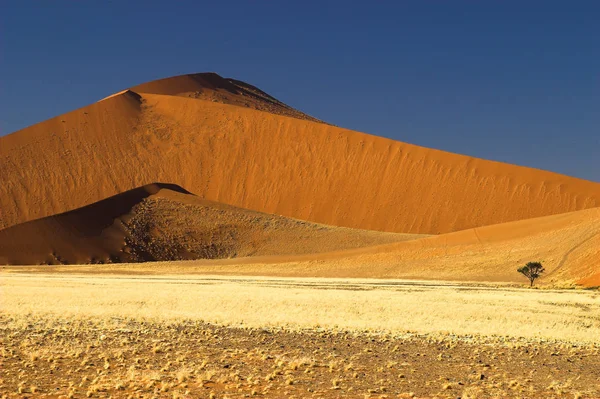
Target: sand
(243, 156)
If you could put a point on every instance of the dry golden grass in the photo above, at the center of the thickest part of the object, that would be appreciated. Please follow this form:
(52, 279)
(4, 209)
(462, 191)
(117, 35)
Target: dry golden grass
(159, 336)
(359, 305)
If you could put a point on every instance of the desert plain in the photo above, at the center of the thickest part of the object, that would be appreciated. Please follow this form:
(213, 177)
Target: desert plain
(195, 237)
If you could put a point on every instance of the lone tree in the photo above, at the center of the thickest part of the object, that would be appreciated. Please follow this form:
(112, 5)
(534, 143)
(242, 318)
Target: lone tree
(532, 270)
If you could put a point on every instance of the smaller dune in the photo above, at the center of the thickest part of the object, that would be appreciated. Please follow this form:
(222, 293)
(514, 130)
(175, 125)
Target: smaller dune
(165, 222)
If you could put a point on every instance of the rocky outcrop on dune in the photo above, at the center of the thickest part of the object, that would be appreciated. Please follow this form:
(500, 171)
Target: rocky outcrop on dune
(235, 154)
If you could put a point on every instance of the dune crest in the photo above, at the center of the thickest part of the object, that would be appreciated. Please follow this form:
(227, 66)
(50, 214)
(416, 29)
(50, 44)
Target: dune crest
(212, 87)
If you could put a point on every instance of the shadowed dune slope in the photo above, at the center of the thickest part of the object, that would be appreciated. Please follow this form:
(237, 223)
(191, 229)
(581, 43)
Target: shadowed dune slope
(164, 222)
(265, 162)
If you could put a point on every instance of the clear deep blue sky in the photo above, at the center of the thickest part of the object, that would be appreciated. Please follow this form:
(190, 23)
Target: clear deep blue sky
(513, 81)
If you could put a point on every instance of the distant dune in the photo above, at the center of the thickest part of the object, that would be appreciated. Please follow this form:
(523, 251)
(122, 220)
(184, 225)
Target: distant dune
(229, 142)
(164, 222)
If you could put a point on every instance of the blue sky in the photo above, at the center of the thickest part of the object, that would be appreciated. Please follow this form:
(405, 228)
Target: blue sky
(512, 81)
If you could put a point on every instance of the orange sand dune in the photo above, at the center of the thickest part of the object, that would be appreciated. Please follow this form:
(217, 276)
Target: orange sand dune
(266, 162)
(164, 222)
(567, 244)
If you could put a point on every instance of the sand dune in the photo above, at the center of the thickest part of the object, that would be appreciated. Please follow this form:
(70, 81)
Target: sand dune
(165, 222)
(568, 245)
(266, 162)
